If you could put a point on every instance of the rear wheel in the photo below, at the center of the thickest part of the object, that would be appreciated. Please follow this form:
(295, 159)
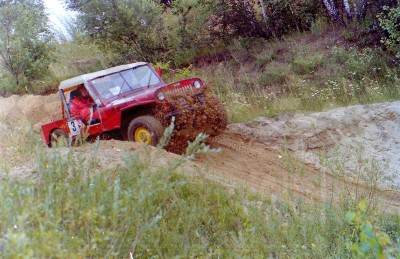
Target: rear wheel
(58, 137)
(145, 129)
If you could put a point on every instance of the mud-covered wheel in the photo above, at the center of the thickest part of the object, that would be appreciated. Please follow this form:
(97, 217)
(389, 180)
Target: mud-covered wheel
(217, 116)
(145, 129)
(58, 137)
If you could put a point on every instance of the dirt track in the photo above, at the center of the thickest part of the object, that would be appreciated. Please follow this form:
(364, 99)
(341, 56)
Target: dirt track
(250, 164)
(275, 156)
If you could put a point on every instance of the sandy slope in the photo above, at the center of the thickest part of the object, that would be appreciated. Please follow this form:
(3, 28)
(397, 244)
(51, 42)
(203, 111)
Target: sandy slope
(366, 136)
(276, 156)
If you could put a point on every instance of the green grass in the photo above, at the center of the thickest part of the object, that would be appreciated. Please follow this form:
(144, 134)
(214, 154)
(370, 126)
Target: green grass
(71, 207)
(304, 72)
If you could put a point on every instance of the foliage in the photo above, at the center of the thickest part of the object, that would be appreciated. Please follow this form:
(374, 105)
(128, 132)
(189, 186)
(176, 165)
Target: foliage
(79, 56)
(145, 30)
(305, 72)
(185, 30)
(370, 240)
(130, 28)
(285, 17)
(74, 207)
(25, 42)
(390, 23)
(232, 19)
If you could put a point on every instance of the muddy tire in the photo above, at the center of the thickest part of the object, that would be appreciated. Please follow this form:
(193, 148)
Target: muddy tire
(58, 137)
(145, 129)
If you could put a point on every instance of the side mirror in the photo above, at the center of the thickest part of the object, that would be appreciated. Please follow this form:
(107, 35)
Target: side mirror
(159, 71)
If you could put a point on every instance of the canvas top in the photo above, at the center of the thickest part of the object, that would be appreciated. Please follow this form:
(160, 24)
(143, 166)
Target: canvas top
(70, 83)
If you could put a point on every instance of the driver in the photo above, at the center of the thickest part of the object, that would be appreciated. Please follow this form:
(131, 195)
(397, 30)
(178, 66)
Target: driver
(81, 106)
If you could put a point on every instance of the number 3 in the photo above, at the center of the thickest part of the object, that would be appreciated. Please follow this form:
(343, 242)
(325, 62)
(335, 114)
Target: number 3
(73, 126)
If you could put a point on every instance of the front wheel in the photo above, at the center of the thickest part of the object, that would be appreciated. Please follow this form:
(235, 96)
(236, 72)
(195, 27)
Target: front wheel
(145, 129)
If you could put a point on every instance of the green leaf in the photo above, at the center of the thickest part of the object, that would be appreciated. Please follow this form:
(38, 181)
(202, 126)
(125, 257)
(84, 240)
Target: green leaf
(363, 205)
(351, 216)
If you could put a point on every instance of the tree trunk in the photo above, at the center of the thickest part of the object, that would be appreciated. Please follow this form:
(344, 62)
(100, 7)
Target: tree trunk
(356, 12)
(348, 10)
(332, 11)
(250, 16)
(363, 11)
(265, 18)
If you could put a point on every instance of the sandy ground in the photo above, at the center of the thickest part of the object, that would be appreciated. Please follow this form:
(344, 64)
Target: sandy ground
(357, 136)
(280, 156)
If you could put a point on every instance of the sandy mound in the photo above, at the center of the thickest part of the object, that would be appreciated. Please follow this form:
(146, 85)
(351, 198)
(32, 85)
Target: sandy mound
(35, 110)
(362, 136)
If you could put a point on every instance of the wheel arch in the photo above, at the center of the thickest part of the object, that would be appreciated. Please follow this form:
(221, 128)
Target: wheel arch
(127, 115)
(54, 130)
(49, 128)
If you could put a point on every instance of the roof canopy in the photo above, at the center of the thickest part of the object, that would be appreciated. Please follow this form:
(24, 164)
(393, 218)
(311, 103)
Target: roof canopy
(69, 83)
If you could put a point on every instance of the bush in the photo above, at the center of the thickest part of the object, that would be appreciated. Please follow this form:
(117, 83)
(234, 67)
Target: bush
(390, 23)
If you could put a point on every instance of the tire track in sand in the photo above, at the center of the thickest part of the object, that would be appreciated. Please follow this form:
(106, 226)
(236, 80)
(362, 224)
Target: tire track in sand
(248, 164)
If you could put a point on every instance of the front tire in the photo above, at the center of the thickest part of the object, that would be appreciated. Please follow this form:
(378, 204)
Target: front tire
(145, 129)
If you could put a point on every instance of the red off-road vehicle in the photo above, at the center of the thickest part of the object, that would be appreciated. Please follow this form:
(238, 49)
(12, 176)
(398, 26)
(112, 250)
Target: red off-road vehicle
(134, 100)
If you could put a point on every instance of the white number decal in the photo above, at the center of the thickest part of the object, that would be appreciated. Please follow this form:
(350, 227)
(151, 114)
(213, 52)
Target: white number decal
(74, 127)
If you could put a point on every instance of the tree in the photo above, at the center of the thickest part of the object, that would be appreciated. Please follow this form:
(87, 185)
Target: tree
(185, 29)
(282, 17)
(25, 41)
(352, 8)
(133, 29)
(234, 18)
(334, 12)
(390, 23)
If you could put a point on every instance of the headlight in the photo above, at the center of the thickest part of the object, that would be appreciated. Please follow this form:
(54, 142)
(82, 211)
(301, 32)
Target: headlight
(197, 84)
(161, 96)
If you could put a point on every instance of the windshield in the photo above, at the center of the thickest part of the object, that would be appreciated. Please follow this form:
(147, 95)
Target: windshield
(125, 81)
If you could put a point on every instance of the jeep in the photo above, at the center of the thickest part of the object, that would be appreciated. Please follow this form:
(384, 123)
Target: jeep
(134, 101)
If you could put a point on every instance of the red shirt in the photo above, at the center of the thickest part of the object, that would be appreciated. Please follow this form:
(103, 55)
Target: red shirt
(80, 109)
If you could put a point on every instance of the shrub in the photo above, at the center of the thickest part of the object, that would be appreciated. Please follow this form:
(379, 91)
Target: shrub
(390, 23)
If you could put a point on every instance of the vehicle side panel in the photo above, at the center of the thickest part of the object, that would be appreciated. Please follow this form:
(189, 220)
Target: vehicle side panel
(110, 118)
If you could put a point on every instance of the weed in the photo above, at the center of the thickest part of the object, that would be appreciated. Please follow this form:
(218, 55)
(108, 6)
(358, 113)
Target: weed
(275, 74)
(74, 208)
(307, 64)
(365, 174)
(317, 182)
(369, 239)
(293, 76)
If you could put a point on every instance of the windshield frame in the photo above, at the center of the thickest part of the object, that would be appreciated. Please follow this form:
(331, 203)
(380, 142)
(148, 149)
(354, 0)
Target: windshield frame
(111, 86)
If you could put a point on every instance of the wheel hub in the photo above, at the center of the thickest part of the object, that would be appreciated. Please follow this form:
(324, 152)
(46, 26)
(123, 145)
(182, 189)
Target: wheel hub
(142, 135)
